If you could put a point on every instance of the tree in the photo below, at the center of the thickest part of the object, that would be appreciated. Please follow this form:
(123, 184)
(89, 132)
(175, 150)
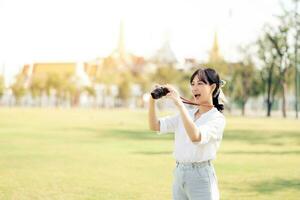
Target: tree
(108, 75)
(279, 38)
(171, 75)
(184, 84)
(145, 85)
(2, 87)
(296, 25)
(37, 86)
(71, 89)
(269, 72)
(166, 75)
(246, 83)
(244, 79)
(59, 84)
(18, 88)
(124, 83)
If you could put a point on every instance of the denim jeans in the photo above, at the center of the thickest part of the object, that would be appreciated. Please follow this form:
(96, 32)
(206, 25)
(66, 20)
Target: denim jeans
(195, 181)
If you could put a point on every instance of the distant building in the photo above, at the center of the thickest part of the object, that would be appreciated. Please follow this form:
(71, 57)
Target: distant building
(164, 55)
(118, 60)
(58, 70)
(62, 69)
(215, 54)
(43, 70)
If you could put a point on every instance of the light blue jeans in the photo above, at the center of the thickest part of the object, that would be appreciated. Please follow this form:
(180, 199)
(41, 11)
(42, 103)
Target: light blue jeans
(195, 181)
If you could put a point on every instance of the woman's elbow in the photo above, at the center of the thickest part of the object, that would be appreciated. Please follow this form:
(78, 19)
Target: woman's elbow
(196, 138)
(151, 128)
(154, 127)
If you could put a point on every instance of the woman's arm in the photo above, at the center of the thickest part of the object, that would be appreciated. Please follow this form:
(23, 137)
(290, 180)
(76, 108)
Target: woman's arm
(153, 122)
(189, 125)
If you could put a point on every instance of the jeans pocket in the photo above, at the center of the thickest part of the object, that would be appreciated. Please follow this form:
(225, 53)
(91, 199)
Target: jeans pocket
(201, 172)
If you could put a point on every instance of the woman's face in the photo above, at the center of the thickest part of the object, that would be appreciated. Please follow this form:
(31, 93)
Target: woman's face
(202, 92)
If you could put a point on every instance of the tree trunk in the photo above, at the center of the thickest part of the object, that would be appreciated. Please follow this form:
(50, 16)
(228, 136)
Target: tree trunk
(269, 108)
(39, 100)
(269, 101)
(243, 108)
(284, 89)
(57, 101)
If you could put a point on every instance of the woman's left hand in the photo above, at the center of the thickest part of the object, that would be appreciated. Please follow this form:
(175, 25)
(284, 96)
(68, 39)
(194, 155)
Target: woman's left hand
(173, 94)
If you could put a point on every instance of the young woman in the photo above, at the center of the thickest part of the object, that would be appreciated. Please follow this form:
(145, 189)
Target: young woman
(198, 134)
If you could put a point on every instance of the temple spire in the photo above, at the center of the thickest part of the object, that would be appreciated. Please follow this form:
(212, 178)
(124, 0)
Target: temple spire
(214, 55)
(121, 44)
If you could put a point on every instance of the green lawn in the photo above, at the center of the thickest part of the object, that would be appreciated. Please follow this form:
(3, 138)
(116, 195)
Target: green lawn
(61, 154)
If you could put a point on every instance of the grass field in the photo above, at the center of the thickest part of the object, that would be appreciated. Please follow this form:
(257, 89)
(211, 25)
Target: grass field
(110, 154)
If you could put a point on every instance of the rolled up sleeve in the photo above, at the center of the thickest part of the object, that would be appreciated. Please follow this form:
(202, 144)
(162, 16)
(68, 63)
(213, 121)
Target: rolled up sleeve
(168, 124)
(211, 130)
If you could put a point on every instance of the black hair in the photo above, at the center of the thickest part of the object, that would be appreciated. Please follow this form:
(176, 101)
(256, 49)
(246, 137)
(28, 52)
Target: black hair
(210, 76)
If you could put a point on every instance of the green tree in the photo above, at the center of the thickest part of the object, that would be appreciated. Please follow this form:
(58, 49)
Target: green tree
(279, 38)
(71, 89)
(221, 66)
(2, 87)
(269, 72)
(37, 86)
(245, 81)
(184, 84)
(170, 75)
(57, 83)
(166, 74)
(145, 84)
(18, 88)
(107, 75)
(90, 90)
(124, 84)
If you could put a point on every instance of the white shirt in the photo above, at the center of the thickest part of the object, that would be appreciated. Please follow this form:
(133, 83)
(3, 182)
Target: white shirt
(211, 125)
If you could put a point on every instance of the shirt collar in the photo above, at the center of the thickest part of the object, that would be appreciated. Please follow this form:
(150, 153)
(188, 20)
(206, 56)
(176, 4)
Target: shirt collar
(207, 112)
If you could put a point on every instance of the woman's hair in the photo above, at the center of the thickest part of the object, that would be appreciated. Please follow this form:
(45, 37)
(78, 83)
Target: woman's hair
(210, 76)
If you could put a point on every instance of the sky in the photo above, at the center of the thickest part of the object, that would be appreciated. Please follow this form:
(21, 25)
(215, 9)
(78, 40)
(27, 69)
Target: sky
(82, 30)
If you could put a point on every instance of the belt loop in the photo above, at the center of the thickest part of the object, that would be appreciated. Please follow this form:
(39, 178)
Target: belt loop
(177, 163)
(209, 163)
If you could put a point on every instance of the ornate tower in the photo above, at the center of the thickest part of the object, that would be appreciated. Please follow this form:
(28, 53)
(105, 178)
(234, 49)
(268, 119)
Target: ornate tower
(214, 55)
(121, 44)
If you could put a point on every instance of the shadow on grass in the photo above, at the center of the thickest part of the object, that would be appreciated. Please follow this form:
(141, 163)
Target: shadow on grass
(274, 138)
(135, 134)
(276, 185)
(261, 137)
(261, 152)
(252, 137)
(153, 152)
(114, 133)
